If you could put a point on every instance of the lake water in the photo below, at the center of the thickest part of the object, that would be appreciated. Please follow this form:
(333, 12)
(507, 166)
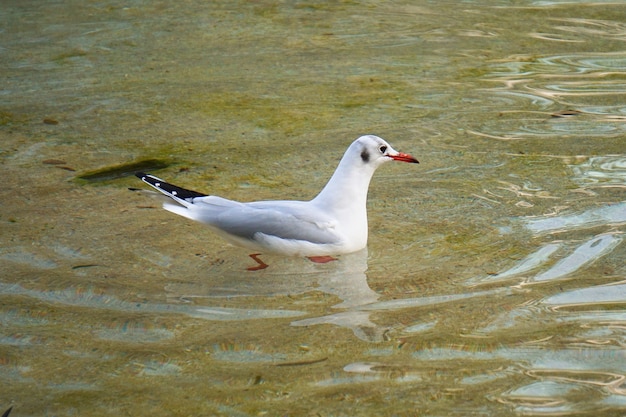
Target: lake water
(494, 282)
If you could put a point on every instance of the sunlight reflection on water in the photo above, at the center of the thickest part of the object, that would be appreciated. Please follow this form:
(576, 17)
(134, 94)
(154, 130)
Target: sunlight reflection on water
(91, 299)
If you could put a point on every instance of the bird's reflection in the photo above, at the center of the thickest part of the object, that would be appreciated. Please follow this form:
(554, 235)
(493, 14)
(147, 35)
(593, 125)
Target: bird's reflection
(344, 278)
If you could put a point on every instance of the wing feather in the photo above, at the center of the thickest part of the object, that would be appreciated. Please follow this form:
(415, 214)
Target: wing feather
(293, 220)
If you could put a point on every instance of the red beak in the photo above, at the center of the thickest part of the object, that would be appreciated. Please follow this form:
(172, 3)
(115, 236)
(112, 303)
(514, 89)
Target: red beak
(404, 157)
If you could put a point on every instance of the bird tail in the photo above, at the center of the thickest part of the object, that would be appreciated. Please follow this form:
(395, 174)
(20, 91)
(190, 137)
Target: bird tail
(182, 196)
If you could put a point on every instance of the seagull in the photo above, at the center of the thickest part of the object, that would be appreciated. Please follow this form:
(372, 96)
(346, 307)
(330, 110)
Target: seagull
(332, 223)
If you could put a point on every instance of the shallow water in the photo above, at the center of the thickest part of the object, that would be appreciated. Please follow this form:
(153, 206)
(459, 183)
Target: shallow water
(493, 283)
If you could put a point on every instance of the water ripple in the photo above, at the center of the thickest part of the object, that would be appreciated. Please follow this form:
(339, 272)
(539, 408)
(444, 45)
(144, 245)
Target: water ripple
(601, 171)
(561, 381)
(605, 294)
(586, 253)
(591, 85)
(592, 27)
(530, 262)
(89, 298)
(609, 214)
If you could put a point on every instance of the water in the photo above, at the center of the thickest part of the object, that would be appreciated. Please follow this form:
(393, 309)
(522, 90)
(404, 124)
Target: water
(493, 282)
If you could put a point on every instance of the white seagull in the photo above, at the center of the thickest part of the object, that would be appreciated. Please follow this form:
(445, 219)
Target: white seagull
(333, 223)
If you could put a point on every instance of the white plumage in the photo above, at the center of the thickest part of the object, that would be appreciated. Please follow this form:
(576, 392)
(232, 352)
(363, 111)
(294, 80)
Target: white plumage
(333, 223)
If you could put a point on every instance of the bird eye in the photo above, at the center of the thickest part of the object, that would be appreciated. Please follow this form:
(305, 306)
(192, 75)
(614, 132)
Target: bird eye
(382, 149)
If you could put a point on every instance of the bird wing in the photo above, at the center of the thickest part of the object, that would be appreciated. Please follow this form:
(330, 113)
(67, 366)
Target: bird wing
(293, 220)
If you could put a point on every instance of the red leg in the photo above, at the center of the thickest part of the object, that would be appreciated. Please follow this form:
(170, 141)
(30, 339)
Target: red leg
(261, 264)
(321, 259)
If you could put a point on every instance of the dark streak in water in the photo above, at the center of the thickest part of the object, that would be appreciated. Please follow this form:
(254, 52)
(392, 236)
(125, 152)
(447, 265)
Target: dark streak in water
(302, 363)
(84, 266)
(124, 170)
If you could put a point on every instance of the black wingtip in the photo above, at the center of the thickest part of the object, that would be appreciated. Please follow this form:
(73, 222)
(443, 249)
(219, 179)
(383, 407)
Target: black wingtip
(168, 189)
(6, 413)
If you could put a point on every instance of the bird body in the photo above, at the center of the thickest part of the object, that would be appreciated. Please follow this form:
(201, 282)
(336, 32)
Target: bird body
(332, 223)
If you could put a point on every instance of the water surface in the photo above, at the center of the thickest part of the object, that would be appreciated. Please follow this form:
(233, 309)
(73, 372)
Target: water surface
(494, 279)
